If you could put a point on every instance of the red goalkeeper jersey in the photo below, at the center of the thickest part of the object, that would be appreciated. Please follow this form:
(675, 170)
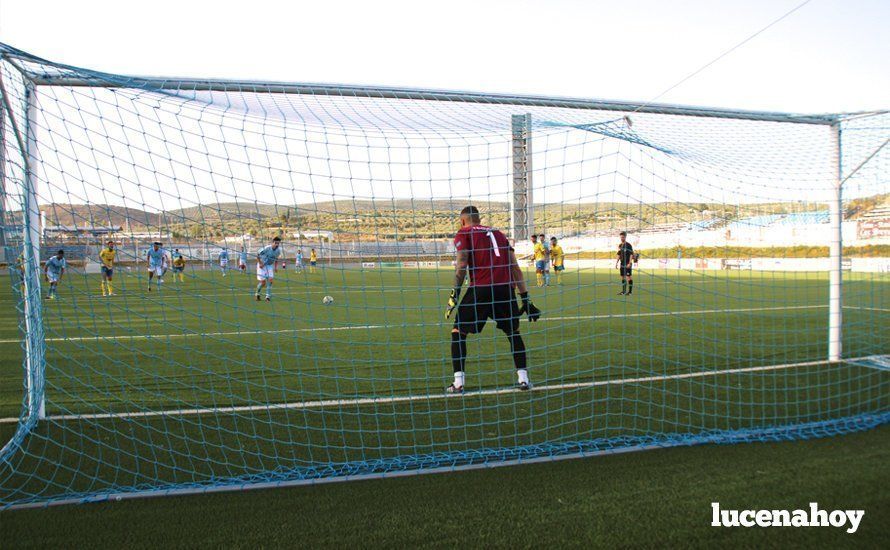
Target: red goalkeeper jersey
(489, 255)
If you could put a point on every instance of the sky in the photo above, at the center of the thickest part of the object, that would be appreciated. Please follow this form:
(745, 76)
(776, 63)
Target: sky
(829, 56)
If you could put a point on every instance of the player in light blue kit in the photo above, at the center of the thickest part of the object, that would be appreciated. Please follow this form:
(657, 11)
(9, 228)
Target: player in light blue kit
(53, 271)
(544, 242)
(266, 262)
(242, 261)
(157, 264)
(299, 264)
(223, 260)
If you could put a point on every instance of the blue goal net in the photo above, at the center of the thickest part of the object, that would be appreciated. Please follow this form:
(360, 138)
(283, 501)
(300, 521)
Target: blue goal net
(227, 285)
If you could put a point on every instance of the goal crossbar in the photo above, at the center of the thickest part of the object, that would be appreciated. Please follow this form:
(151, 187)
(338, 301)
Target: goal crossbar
(107, 80)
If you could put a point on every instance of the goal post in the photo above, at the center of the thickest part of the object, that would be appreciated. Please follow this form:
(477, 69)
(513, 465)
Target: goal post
(689, 261)
(835, 213)
(35, 344)
(30, 250)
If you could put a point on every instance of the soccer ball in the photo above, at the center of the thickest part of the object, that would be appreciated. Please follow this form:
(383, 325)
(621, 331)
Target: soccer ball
(327, 300)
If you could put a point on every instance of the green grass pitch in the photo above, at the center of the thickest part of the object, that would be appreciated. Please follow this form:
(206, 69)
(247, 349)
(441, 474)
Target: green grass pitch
(363, 379)
(652, 499)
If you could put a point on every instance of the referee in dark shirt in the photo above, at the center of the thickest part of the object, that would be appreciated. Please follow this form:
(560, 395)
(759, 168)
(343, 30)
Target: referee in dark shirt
(625, 265)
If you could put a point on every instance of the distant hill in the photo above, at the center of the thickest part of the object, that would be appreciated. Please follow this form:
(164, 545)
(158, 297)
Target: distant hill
(856, 208)
(409, 218)
(102, 214)
(218, 211)
(424, 205)
(97, 215)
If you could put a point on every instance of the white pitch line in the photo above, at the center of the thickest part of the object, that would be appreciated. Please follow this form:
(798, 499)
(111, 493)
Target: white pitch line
(413, 398)
(204, 334)
(403, 326)
(866, 308)
(687, 312)
(238, 292)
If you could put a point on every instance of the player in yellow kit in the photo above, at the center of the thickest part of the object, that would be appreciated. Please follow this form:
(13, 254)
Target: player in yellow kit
(313, 260)
(178, 266)
(557, 256)
(540, 255)
(107, 255)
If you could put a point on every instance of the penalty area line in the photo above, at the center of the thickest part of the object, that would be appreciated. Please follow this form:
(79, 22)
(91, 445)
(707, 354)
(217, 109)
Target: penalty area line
(99, 338)
(360, 401)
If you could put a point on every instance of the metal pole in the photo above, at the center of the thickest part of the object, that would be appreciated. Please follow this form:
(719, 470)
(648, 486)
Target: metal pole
(9, 258)
(522, 222)
(34, 342)
(835, 311)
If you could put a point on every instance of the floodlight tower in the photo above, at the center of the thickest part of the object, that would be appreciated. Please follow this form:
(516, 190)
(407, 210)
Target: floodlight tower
(522, 223)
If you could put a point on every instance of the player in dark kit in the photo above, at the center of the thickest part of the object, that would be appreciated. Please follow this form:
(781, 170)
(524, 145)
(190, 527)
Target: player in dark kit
(486, 256)
(625, 265)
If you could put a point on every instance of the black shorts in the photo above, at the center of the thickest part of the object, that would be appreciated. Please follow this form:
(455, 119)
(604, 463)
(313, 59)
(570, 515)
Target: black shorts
(107, 271)
(626, 271)
(480, 303)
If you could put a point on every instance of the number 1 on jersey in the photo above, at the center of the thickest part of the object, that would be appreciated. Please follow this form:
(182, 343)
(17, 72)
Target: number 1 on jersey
(494, 244)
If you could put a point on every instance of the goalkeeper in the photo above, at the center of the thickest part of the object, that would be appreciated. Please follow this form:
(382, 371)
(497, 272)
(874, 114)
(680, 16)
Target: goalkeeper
(486, 256)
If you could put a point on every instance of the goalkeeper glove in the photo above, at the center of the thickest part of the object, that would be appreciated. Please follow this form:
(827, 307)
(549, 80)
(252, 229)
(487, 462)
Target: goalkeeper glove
(528, 307)
(452, 301)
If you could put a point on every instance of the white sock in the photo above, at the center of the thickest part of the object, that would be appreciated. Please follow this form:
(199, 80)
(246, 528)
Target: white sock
(458, 379)
(522, 374)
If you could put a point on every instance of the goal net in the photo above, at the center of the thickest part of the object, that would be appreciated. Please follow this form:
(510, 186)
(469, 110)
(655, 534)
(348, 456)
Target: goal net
(753, 306)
